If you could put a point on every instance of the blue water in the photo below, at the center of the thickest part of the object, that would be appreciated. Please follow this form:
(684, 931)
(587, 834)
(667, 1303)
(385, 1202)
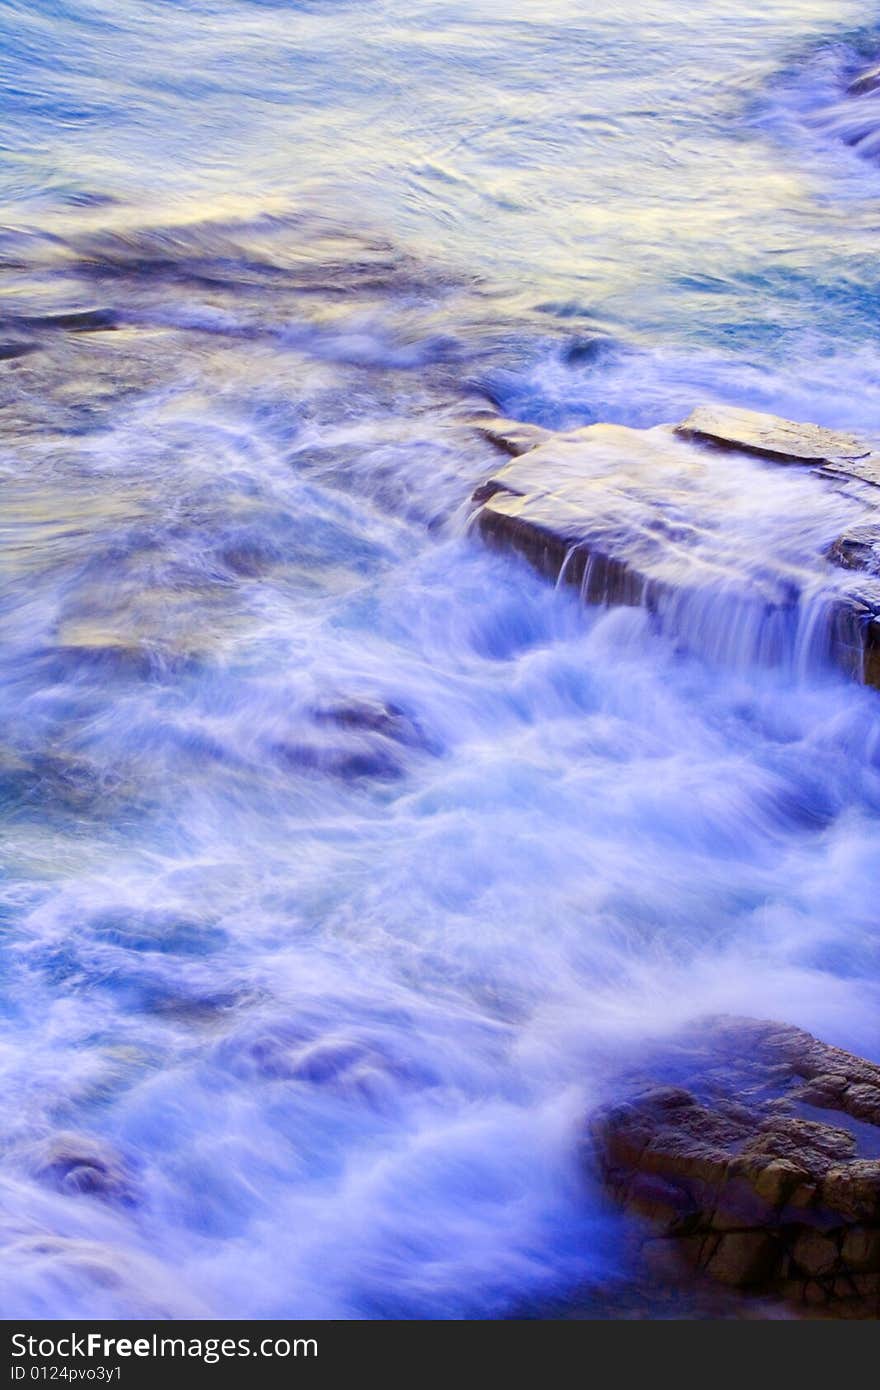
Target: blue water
(344, 862)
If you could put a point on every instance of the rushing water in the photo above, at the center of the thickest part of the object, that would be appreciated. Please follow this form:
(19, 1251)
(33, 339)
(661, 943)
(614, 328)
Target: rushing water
(343, 860)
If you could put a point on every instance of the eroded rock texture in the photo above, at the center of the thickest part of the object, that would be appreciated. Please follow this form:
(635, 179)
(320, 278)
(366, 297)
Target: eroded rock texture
(761, 1170)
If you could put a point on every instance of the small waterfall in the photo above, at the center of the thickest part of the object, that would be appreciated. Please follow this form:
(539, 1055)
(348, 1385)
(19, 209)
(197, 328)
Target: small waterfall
(815, 631)
(745, 561)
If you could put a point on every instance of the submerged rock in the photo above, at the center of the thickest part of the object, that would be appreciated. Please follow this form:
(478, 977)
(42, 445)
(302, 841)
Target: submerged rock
(78, 1165)
(9, 351)
(642, 518)
(760, 1167)
(858, 549)
(854, 118)
(866, 82)
(76, 321)
(372, 716)
(362, 739)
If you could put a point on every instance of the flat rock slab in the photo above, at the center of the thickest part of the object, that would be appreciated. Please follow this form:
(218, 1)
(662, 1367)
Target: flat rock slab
(759, 1167)
(785, 441)
(670, 516)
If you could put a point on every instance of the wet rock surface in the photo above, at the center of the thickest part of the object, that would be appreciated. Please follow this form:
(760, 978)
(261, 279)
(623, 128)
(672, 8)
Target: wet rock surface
(785, 441)
(858, 549)
(629, 517)
(759, 1167)
(78, 1165)
(866, 82)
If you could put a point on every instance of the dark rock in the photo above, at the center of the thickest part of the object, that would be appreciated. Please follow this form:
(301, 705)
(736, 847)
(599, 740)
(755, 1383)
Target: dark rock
(855, 120)
(373, 737)
(865, 82)
(757, 1198)
(742, 1258)
(249, 557)
(8, 351)
(858, 549)
(585, 350)
(78, 321)
(350, 764)
(80, 1166)
(372, 716)
(355, 1064)
(860, 1249)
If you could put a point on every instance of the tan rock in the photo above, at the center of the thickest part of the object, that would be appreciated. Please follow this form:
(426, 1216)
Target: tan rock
(814, 1253)
(860, 1250)
(767, 1198)
(772, 437)
(779, 1180)
(599, 510)
(744, 1258)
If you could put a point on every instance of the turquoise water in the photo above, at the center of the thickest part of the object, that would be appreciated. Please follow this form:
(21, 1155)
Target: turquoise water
(343, 861)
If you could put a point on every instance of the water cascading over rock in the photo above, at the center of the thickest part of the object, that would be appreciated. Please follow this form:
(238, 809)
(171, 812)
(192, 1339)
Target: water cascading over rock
(737, 559)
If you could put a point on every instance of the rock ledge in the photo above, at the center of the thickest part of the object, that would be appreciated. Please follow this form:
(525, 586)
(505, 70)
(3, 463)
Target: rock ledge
(641, 518)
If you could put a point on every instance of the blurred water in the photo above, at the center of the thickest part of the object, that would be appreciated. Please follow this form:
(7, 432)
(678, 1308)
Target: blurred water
(344, 861)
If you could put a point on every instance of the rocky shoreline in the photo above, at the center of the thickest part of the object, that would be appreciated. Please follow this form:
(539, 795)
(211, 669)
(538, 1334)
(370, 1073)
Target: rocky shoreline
(759, 1169)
